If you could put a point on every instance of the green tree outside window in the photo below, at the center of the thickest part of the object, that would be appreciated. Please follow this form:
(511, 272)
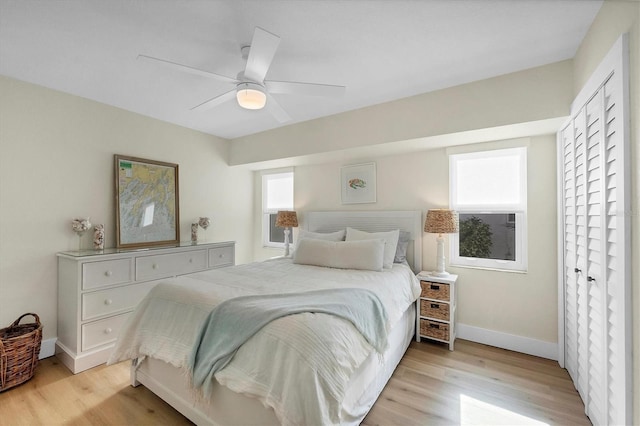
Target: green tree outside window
(475, 238)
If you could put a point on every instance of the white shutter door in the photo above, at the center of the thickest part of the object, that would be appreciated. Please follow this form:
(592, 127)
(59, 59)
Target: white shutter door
(592, 278)
(569, 218)
(582, 297)
(615, 257)
(596, 260)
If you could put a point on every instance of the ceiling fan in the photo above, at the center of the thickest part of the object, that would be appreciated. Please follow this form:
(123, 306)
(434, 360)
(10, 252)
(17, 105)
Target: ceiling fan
(251, 90)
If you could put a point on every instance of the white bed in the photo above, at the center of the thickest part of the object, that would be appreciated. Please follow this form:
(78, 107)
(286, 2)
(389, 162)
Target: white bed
(365, 382)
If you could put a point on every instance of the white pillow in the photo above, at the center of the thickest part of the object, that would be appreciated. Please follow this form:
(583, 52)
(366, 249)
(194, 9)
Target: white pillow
(365, 255)
(328, 236)
(390, 238)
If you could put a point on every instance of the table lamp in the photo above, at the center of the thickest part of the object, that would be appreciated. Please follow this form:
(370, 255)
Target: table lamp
(441, 221)
(286, 220)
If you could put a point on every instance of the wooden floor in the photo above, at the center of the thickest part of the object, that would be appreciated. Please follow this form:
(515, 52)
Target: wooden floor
(475, 384)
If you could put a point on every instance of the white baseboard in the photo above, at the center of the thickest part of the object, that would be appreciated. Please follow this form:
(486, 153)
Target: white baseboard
(47, 348)
(511, 342)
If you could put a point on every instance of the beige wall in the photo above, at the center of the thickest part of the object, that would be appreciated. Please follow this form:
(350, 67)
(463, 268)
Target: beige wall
(56, 163)
(615, 18)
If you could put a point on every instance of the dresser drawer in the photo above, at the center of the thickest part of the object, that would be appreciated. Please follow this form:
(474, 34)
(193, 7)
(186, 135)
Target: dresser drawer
(432, 290)
(169, 265)
(102, 332)
(221, 256)
(434, 329)
(113, 300)
(105, 273)
(432, 309)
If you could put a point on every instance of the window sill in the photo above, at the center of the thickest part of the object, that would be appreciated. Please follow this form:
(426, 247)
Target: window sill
(275, 245)
(485, 268)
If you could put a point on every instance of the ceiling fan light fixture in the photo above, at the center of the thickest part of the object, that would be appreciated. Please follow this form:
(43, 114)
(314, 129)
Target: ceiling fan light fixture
(251, 96)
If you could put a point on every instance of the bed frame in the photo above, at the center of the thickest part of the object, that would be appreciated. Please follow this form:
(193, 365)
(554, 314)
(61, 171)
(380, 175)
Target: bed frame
(227, 407)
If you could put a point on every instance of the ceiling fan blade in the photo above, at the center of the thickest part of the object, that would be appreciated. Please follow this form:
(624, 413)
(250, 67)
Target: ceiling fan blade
(188, 69)
(213, 102)
(308, 89)
(263, 48)
(276, 110)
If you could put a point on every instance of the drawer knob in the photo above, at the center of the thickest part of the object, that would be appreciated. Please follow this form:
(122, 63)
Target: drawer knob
(435, 287)
(108, 273)
(107, 330)
(108, 302)
(221, 256)
(154, 266)
(190, 260)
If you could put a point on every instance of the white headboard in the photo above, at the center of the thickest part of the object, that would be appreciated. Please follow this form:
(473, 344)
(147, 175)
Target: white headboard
(371, 221)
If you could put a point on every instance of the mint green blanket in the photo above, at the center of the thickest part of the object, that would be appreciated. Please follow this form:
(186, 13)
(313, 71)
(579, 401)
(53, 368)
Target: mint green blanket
(234, 321)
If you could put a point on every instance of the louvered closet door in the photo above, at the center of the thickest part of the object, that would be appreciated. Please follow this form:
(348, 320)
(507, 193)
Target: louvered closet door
(566, 140)
(575, 255)
(616, 265)
(595, 264)
(591, 279)
(582, 304)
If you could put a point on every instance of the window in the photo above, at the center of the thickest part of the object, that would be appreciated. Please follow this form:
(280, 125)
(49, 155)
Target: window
(277, 194)
(489, 191)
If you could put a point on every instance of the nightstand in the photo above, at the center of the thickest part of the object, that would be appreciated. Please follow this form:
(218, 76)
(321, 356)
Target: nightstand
(436, 308)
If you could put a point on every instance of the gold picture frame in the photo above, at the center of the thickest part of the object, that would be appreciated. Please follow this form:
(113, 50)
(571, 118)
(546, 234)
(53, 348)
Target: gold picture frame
(147, 203)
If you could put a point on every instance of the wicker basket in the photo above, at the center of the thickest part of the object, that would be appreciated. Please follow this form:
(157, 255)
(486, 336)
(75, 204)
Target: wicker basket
(19, 350)
(429, 308)
(434, 329)
(431, 290)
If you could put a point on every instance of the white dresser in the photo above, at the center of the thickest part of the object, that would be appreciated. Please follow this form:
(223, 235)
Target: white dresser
(97, 290)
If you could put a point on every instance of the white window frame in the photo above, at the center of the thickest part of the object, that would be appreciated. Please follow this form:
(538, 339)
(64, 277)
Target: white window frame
(520, 210)
(266, 223)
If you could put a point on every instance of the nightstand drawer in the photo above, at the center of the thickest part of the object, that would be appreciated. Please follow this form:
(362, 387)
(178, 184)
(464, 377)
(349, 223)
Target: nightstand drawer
(102, 332)
(108, 272)
(432, 309)
(169, 265)
(221, 256)
(113, 300)
(434, 329)
(432, 290)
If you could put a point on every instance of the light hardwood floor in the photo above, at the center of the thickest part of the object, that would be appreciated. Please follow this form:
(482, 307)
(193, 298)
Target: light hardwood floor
(475, 384)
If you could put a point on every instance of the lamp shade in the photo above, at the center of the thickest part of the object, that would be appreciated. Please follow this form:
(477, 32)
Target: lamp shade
(441, 221)
(251, 96)
(286, 219)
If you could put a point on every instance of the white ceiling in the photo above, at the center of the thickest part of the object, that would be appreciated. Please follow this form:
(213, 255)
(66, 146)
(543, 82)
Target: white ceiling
(380, 50)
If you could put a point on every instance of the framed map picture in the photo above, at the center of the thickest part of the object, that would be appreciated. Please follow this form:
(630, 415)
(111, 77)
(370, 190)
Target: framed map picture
(146, 203)
(358, 183)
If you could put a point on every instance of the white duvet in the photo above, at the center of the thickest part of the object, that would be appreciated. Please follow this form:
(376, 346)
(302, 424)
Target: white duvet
(299, 365)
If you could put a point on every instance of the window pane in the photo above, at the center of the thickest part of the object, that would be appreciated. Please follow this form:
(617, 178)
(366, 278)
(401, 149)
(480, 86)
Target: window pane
(276, 235)
(489, 180)
(279, 192)
(488, 235)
